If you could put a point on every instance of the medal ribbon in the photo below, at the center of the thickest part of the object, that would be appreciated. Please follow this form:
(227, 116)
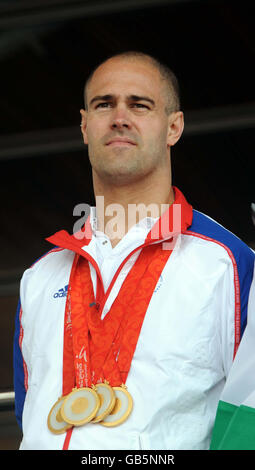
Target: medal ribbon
(136, 295)
(96, 349)
(76, 356)
(103, 349)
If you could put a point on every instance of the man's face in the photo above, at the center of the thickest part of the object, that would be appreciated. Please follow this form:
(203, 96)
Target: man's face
(126, 126)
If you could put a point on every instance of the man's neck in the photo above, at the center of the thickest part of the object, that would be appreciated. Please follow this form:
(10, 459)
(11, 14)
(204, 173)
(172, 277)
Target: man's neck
(119, 207)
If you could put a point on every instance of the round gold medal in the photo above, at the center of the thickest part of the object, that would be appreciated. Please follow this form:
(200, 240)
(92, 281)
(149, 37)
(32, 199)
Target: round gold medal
(122, 409)
(107, 401)
(55, 422)
(80, 406)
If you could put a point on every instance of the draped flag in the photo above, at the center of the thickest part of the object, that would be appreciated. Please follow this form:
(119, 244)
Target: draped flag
(234, 427)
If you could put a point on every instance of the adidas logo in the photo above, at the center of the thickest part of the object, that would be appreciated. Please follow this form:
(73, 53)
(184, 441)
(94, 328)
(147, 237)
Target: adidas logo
(61, 292)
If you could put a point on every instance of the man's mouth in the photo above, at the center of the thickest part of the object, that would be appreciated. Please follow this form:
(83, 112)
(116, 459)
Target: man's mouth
(120, 142)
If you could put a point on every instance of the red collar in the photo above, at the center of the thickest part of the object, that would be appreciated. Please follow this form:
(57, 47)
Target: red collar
(173, 221)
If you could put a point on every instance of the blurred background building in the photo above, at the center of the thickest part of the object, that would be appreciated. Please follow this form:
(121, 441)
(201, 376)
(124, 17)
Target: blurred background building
(47, 48)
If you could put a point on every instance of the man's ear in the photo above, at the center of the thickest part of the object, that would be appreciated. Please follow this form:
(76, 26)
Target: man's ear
(175, 127)
(84, 125)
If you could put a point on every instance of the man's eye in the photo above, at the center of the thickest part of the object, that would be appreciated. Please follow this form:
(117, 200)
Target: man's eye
(140, 105)
(105, 104)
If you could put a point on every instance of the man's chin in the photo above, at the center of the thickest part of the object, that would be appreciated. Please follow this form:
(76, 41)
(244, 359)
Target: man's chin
(121, 151)
(119, 176)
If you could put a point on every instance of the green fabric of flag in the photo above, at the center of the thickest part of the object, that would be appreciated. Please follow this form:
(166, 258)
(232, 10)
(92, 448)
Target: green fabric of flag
(225, 413)
(234, 427)
(240, 433)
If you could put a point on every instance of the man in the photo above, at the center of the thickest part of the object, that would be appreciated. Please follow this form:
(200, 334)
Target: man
(154, 311)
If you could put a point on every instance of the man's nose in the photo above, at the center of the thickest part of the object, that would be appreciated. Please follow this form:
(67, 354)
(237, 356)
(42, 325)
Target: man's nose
(120, 119)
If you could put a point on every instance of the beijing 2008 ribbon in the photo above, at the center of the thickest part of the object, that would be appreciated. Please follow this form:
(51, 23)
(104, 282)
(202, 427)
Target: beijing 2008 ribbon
(80, 401)
(100, 351)
(114, 339)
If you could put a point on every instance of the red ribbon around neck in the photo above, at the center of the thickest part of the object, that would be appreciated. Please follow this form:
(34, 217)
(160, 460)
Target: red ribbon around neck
(94, 349)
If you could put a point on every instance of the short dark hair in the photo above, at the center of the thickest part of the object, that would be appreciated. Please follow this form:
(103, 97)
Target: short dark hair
(173, 89)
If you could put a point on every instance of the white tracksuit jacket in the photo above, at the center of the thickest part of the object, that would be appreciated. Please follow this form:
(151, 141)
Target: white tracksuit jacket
(191, 330)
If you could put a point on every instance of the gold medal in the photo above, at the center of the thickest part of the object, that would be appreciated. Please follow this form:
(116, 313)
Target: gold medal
(107, 401)
(56, 424)
(80, 406)
(122, 409)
